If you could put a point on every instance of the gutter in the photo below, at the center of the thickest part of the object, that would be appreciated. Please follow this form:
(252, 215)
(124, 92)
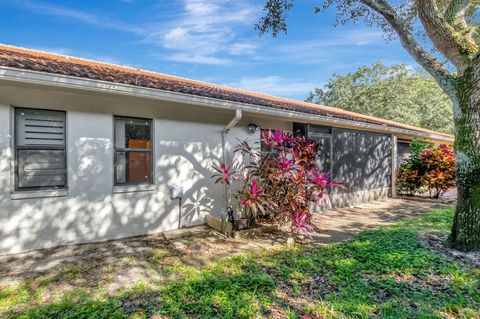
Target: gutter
(65, 81)
(230, 125)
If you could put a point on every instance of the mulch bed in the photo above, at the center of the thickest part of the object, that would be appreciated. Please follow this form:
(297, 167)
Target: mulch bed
(438, 243)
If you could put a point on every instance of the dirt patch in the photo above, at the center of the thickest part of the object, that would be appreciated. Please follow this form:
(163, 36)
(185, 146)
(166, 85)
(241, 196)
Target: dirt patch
(119, 263)
(115, 263)
(438, 243)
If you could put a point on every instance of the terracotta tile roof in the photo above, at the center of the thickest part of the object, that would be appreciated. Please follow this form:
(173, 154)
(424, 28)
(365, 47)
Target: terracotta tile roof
(28, 59)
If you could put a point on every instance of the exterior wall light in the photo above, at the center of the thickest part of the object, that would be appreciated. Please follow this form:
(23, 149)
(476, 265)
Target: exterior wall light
(252, 128)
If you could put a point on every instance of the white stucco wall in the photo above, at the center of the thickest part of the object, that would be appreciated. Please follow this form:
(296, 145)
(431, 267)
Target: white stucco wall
(187, 140)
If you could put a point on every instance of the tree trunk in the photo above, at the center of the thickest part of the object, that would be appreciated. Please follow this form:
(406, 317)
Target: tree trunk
(465, 233)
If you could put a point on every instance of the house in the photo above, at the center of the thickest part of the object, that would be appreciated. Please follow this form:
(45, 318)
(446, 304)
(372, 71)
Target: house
(92, 151)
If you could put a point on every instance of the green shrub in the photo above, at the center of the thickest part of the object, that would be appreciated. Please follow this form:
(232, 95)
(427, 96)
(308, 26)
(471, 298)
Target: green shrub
(428, 169)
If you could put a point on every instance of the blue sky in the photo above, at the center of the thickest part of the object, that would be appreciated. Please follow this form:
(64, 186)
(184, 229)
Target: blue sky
(209, 40)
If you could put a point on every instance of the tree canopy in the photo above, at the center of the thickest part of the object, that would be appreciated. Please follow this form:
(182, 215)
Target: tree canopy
(391, 92)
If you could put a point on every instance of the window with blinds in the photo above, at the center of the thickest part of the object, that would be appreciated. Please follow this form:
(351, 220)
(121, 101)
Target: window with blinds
(133, 151)
(40, 149)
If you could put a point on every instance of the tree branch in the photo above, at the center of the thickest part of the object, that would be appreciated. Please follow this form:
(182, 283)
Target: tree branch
(454, 43)
(275, 17)
(427, 61)
(456, 10)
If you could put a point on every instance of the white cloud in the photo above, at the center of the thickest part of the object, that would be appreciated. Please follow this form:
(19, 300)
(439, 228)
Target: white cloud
(326, 49)
(242, 49)
(275, 85)
(354, 37)
(206, 31)
(198, 59)
(62, 12)
(361, 37)
(201, 8)
(176, 38)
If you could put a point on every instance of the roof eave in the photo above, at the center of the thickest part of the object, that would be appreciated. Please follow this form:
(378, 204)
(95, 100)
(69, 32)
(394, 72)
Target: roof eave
(65, 81)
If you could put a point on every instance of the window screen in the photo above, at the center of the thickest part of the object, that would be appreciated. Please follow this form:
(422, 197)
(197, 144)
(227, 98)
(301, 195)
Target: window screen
(324, 157)
(133, 151)
(323, 136)
(40, 149)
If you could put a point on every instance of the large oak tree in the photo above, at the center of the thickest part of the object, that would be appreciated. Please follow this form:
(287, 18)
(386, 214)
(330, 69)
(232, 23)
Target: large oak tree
(450, 27)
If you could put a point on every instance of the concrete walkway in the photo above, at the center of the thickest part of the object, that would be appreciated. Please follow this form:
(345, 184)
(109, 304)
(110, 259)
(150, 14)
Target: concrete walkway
(195, 246)
(341, 224)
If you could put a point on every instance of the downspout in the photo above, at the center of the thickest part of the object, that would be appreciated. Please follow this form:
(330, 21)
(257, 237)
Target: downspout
(230, 125)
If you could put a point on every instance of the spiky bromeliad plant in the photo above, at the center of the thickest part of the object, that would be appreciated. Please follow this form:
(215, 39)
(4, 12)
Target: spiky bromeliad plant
(279, 183)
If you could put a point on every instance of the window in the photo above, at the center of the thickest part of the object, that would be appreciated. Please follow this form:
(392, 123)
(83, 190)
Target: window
(323, 136)
(39, 149)
(133, 151)
(324, 159)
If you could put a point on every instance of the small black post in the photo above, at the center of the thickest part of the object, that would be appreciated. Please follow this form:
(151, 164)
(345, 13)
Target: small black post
(230, 217)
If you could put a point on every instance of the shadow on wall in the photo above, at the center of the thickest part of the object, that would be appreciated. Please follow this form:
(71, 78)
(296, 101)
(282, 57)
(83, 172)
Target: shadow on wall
(363, 162)
(5, 156)
(188, 164)
(92, 213)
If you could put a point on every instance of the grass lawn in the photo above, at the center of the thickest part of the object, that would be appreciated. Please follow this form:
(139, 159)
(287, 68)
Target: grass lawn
(382, 273)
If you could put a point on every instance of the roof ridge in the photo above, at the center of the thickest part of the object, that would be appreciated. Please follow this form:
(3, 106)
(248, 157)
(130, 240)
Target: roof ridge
(269, 97)
(68, 56)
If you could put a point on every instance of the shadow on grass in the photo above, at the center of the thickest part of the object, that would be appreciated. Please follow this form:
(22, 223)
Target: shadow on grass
(382, 273)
